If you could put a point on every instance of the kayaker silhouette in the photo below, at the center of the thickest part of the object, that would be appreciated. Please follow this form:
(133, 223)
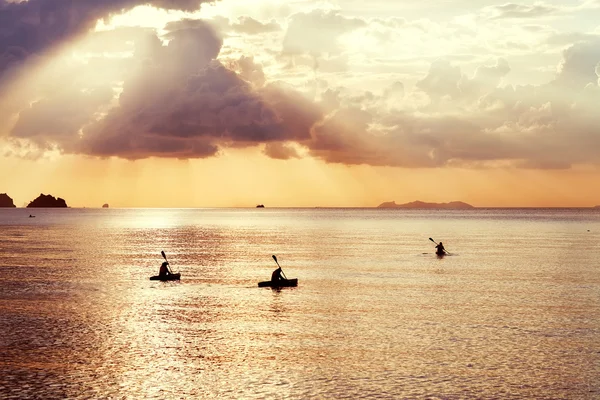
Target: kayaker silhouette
(164, 270)
(276, 275)
(440, 250)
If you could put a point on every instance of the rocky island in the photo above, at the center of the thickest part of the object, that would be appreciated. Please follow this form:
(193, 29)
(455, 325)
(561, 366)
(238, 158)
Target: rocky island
(105, 205)
(47, 201)
(6, 201)
(453, 205)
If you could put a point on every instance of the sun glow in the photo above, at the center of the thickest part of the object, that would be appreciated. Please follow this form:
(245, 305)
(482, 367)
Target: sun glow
(144, 16)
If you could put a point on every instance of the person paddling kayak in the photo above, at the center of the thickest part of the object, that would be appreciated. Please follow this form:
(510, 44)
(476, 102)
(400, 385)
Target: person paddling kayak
(164, 270)
(276, 276)
(440, 250)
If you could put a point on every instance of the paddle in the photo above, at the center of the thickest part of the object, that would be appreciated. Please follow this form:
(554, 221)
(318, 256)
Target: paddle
(436, 245)
(165, 257)
(275, 258)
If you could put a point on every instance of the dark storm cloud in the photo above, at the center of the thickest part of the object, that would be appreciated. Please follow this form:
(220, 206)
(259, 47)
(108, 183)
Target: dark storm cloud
(32, 27)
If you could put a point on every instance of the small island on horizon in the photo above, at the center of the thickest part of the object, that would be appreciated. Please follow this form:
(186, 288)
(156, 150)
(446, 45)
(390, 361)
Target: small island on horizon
(455, 205)
(47, 201)
(6, 201)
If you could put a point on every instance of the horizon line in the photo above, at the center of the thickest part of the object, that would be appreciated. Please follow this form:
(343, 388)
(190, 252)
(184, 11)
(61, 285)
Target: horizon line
(322, 207)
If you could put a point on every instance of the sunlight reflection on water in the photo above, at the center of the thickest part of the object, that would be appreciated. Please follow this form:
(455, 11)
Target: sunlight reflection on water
(373, 317)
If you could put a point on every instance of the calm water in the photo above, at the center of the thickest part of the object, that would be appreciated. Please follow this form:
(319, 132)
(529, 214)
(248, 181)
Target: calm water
(513, 313)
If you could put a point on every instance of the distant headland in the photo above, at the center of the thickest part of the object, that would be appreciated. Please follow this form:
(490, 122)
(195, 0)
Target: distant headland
(6, 201)
(260, 206)
(105, 205)
(44, 201)
(456, 205)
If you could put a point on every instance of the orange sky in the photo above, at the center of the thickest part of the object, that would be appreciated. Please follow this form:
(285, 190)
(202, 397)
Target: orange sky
(246, 178)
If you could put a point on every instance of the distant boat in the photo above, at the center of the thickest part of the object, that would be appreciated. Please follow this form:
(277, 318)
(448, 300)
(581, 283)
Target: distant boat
(260, 206)
(31, 216)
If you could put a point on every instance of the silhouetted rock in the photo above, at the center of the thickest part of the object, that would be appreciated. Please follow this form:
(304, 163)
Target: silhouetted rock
(6, 201)
(459, 205)
(44, 200)
(260, 206)
(105, 205)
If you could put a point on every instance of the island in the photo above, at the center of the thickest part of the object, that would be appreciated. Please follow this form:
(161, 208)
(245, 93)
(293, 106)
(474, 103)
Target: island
(454, 205)
(47, 201)
(6, 201)
(105, 205)
(260, 206)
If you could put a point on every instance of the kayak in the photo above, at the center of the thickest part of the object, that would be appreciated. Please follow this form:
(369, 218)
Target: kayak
(442, 254)
(281, 283)
(172, 277)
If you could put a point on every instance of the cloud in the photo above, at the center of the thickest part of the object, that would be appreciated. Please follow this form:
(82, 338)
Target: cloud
(481, 124)
(245, 25)
(579, 63)
(184, 100)
(186, 104)
(250, 26)
(519, 11)
(569, 38)
(280, 151)
(35, 26)
(441, 80)
(250, 71)
(445, 80)
(317, 32)
(59, 119)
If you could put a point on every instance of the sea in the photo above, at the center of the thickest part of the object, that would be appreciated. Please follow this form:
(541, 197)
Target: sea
(513, 312)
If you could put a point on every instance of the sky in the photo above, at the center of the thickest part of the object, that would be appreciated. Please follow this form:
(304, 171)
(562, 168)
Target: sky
(233, 103)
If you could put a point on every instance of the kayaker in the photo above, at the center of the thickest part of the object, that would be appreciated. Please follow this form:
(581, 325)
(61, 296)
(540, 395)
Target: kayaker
(276, 275)
(164, 270)
(440, 249)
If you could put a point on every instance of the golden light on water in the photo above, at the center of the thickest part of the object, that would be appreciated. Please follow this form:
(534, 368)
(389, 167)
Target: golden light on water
(373, 307)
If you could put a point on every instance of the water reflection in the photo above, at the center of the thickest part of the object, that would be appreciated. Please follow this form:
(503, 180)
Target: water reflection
(373, 317)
